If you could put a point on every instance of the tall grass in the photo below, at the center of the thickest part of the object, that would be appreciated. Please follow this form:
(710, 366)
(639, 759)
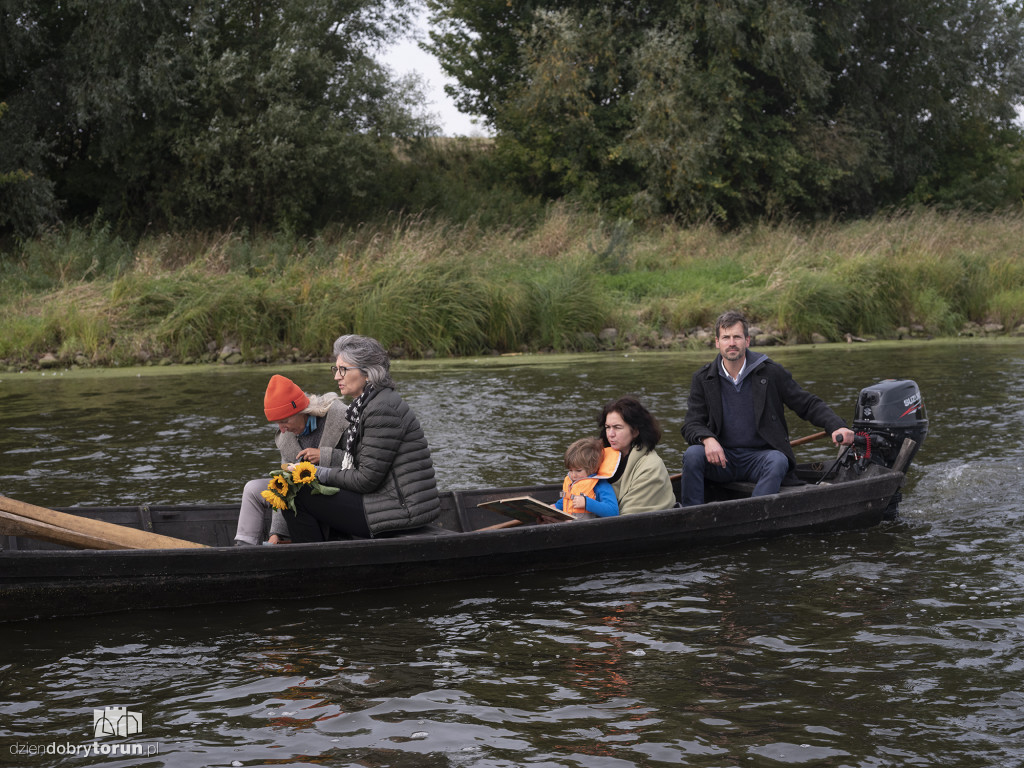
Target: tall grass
(428, 287)
(62, 258)
(426, 310)
(567, 308)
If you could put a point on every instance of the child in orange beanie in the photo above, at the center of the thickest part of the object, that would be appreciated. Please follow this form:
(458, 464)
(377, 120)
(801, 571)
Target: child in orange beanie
(310, 427)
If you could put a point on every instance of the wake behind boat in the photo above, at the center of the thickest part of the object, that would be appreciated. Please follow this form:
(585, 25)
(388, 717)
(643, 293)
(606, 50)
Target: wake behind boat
(859, 488)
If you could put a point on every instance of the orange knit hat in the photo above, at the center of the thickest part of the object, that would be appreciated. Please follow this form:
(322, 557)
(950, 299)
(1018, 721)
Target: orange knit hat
(284, 398)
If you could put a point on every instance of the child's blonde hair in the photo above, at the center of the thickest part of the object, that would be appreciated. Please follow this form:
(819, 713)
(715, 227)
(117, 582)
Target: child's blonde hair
(585, 454)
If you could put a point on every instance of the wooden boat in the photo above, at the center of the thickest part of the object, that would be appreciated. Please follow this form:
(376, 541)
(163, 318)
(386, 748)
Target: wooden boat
(40, 580)
(45, 580)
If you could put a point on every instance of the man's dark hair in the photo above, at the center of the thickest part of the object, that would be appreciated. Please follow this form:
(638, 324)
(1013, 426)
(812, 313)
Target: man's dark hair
(730, 318)
(636, 416)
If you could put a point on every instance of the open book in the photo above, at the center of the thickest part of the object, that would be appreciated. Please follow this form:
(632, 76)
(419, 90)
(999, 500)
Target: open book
(527, 509)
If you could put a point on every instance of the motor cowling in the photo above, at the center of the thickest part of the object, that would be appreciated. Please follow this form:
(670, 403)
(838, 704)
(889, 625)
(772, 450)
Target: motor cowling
(886, 414)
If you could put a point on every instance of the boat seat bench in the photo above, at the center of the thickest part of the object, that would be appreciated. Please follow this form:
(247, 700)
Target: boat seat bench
(744, 489)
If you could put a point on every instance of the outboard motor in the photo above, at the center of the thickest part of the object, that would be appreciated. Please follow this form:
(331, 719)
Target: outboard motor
(886, 414)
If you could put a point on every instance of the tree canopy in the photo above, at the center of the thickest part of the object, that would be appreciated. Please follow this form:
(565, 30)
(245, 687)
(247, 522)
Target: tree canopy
(176, 114)
(183, 113)
(736, 109)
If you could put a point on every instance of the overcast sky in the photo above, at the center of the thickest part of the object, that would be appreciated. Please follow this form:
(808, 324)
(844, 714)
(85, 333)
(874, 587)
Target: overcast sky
(407, 57)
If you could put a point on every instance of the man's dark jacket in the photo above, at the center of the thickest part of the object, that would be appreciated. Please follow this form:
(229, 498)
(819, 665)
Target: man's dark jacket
(772, 387)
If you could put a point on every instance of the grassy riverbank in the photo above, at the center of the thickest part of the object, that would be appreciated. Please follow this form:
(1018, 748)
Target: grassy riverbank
(572, 281)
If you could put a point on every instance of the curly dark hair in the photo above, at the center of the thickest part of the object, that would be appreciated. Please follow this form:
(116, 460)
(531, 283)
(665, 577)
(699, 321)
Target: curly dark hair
(636, 416)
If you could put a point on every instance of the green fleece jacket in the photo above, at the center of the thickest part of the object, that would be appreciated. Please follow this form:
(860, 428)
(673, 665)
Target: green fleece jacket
(644, 485)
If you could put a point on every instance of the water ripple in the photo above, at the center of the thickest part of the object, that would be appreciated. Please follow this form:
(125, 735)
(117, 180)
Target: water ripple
(896, 646)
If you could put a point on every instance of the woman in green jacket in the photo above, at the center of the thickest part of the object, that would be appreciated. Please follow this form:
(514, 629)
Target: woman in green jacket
(642, 483)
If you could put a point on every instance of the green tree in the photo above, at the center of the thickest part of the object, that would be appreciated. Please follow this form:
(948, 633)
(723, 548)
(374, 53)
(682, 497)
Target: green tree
(27, 200)
(27, 194)
(735, 109)
(174, 112)
(562, 123)
(724, 122)
(921, 80)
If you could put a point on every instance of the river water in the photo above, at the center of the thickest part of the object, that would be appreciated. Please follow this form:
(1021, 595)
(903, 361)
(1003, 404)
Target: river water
(901, 645)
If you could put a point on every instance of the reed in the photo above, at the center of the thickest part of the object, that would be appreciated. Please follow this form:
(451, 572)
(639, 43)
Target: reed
(568, 308)
(67, 257)
(429, 287)
(25, 337)
(1007, 308)
(429, 310)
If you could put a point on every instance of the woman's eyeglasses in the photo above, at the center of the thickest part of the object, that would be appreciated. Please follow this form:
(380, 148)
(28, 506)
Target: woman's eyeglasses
(342, 369)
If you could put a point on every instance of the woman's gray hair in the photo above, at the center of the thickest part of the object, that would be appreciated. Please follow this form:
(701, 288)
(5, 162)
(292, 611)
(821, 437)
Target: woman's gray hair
(367, 354)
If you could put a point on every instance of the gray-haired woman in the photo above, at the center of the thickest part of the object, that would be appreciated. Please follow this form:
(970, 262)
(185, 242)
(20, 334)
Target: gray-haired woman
(386, 476)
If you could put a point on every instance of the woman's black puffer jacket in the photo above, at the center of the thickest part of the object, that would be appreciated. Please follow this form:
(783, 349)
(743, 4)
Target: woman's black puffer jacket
(393, 469)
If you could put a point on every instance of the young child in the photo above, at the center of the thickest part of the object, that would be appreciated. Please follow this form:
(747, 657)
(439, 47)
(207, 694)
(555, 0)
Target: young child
(586, 490)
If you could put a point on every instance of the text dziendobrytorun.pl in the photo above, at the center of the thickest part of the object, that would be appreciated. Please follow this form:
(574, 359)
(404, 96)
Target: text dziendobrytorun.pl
(92, 749)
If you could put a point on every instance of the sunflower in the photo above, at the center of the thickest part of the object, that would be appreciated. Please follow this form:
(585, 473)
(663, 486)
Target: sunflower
(274, 500)
(278, 484)
(304, 473)
(284, 486)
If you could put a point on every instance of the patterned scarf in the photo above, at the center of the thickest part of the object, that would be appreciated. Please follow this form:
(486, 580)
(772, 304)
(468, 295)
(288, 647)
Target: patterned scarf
(354, 414)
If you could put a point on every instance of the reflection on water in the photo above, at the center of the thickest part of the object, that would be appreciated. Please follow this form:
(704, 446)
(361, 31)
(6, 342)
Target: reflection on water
(895, 646)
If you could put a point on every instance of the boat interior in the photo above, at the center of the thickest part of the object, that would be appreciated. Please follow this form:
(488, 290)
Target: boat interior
(214, 525)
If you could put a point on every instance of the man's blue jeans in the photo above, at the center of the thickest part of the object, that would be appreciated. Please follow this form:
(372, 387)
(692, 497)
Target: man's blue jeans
(765, 468)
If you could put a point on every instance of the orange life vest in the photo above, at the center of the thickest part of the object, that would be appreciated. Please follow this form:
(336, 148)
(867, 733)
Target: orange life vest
(585, 487)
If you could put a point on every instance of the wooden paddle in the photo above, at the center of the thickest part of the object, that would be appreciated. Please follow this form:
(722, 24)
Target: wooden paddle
(809, 438)
(499, 526)
(20, 519)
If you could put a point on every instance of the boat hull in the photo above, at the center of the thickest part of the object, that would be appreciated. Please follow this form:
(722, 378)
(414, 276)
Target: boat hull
(38, 582)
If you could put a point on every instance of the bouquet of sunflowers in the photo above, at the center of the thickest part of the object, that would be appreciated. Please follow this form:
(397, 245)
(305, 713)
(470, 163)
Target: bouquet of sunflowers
(285, 484)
